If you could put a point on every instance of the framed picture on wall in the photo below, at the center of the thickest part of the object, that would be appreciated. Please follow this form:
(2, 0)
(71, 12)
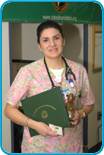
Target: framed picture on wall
(97, 47)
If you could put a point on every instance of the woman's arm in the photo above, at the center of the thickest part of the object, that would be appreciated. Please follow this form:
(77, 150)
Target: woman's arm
(87, 98)
(13, 113)
(85, 110)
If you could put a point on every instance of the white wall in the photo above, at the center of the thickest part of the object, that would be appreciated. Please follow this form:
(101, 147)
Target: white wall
(96, 83)
(24, 42)
(30, 50)
(6, 129)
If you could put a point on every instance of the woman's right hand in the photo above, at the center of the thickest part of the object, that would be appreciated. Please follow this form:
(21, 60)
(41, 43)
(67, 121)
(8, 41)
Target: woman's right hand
(42, 128)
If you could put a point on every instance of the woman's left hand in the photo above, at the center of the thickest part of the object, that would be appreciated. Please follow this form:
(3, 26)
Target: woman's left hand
(76, 118)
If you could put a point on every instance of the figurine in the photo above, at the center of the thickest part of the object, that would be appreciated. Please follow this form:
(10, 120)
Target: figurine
(70, 105)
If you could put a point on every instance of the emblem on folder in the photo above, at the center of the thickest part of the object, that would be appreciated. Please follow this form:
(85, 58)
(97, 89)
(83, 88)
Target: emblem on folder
(44, 114)
(42, 111)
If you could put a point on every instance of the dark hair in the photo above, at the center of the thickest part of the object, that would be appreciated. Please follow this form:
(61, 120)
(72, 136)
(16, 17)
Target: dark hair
(48, 24)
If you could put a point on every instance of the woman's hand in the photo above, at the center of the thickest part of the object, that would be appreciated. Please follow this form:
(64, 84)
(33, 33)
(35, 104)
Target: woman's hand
(81, 113)
(76, 118)
(42, 128)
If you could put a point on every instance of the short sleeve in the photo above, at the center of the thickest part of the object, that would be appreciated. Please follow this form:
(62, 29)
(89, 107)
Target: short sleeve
(19, 86)
(87, 96)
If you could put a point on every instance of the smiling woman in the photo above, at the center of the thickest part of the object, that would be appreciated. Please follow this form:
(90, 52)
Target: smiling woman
(51, 43)
(41, 75)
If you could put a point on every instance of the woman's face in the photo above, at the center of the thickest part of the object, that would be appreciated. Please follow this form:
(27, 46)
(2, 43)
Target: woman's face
(51, 43)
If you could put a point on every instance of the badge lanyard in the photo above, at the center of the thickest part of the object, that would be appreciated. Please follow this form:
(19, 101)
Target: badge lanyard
(68, 72)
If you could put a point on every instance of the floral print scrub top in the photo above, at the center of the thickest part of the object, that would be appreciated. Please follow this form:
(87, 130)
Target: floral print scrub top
(32, 79)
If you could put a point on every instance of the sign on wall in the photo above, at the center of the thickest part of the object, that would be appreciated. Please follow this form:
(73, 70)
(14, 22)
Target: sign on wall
(71, 12)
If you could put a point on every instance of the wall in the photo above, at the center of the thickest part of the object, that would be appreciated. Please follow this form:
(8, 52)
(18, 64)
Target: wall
(24, 42)
(6, 127)
(73, 41)
(96, 83)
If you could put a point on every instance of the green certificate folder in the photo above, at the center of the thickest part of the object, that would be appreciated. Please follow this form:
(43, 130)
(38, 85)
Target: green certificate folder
(47, 107)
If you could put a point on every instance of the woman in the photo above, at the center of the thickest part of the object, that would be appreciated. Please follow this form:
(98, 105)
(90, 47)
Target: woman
(34, 79)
